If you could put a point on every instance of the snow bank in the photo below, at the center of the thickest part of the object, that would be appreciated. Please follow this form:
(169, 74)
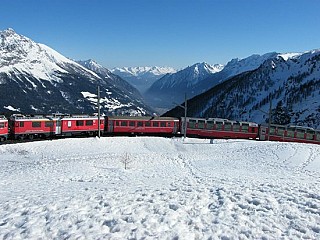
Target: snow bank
(79, 189)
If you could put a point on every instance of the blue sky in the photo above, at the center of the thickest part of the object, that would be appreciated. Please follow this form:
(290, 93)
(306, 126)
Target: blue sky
(176, 33)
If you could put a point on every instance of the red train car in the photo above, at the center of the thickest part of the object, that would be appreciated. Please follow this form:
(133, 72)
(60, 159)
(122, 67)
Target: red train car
(141, 125)
(25, 126)
(3, 128)
(220, 128)
(70, 125)
(290, 134)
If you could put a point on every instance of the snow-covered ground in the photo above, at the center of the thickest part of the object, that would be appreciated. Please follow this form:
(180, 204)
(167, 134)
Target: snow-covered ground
(172, 189)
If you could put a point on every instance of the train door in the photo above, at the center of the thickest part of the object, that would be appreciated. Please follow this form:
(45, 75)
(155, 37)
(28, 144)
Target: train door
(175, 127)
(263, 133)
(184, 125)
(58, 126)
(110, 126)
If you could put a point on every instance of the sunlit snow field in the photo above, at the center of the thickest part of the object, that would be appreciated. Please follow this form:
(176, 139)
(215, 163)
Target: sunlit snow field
(172, 189)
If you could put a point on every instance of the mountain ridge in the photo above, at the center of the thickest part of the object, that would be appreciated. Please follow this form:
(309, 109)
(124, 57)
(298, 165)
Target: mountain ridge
(291, 82)
(142, 77)
(43, 80)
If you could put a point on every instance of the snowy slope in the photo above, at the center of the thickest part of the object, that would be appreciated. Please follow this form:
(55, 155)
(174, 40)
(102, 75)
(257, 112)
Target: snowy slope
(40, 80)
(231, 189)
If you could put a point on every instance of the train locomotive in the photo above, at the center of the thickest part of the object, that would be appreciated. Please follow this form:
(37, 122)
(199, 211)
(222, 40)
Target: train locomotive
(57, 125)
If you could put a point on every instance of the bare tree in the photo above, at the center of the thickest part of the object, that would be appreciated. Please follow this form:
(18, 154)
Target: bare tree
(126, 160)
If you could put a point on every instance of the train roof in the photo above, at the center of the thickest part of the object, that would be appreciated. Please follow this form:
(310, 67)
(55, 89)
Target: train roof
(300, 127)
(150, 118)
(292, 127)
(51, 117)
(224, 120)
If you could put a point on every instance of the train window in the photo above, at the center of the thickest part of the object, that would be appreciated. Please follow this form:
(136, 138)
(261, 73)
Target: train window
(290, 132)
(219, 125)
(318, 136)
(310, 134)
(169, 124)
(36, 124)
(89, 122)
(300, 133)
(272, 130)
(140, 124)
(124, 123)
(131, 123)
(155, 124)
(147, 124)
(162, 124)
(1, 125)
(79, 123)
(101, 122)
(48, 124)
(210, 124)
(192, 123)
(280, 131)
(21, 124)
(227, 126)
(245, 127)
(201, 124)
(236, 127)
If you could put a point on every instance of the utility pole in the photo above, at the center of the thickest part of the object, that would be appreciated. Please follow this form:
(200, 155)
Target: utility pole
(98, 104)
(270, 115)
(185, 116)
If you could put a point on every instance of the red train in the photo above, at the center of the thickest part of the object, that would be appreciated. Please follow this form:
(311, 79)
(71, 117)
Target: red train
(224, 128)
(3, 128)
(142, 125)
(44, 126)
(220, 128)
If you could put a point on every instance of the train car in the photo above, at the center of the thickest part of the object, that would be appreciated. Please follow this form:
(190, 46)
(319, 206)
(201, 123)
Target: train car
(70, 125)
(31, 126)
(220, 128)
(289, 134)
(141, 125)
(3, 128)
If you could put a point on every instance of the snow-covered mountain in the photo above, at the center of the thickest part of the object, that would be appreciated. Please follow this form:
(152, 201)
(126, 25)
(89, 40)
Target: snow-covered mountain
(142, 77)
(113, 79)
(35, 78)
(290, 81)
(199, 78)
(172, 87)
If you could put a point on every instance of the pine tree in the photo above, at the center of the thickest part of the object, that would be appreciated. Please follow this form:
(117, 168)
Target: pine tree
(281, 115)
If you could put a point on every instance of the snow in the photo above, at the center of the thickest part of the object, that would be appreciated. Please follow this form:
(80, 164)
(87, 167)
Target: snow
(12, 108)
(38, 60)
(89, 95)
(138, 71)
(172, 189)
(287, 56)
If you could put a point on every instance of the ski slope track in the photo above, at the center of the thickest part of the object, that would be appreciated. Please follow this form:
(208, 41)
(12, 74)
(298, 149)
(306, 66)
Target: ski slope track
(171, 189)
